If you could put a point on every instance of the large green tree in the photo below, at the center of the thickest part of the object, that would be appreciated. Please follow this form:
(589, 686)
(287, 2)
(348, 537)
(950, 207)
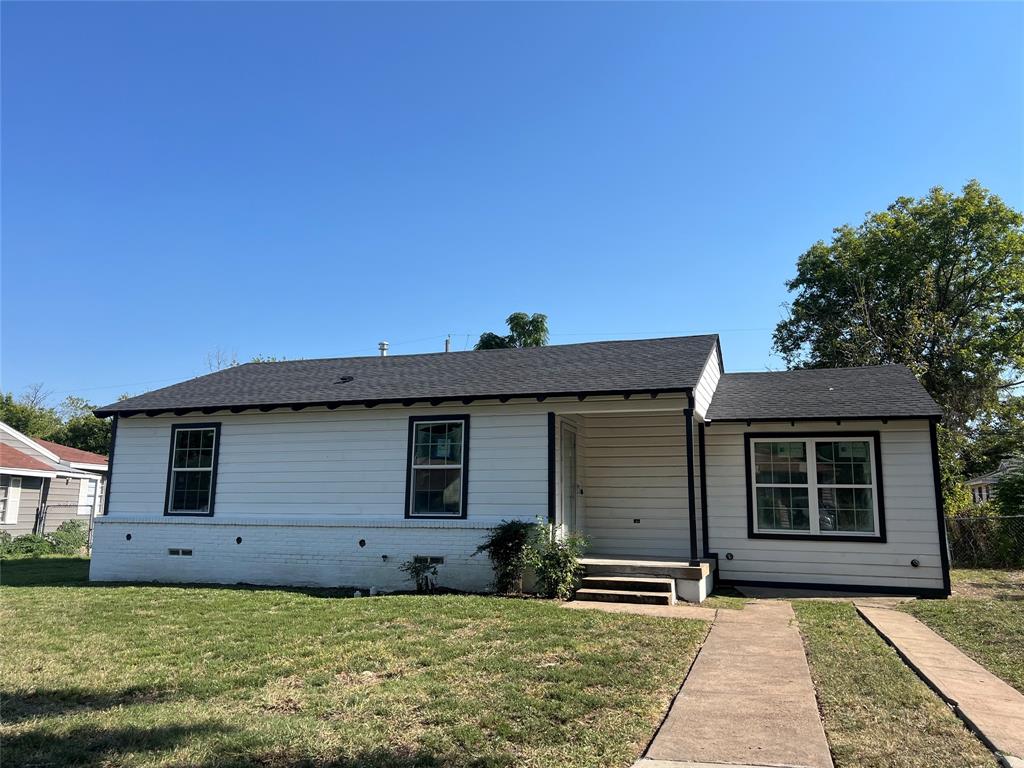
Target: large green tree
(71, 423)
(935, 283)
(523, 331)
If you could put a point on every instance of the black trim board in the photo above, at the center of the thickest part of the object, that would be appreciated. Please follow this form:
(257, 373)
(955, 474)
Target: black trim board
(691, 495)
(870, 589)
(215, 426)
(413, 420)
(876, 438)
(110, 465)
(837, 419)
(704, 531)
(552, 496)
(182, 410)
(940, 507)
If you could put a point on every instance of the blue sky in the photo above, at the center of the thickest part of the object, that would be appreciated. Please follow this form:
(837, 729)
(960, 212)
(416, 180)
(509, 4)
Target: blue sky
(307, 179)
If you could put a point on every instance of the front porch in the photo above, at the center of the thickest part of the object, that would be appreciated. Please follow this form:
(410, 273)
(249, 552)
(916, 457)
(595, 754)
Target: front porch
(627, 479)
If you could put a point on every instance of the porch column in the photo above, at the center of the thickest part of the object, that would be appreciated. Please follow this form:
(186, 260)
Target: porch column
(690, 491)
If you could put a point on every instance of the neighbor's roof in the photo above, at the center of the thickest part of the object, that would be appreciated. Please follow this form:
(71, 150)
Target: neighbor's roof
(604, 367)
(1006, 466)
(70, 454)
(881, 391)
(12, 458)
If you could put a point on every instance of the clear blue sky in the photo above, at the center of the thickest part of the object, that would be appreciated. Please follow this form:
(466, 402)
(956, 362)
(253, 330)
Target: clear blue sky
(307, 179)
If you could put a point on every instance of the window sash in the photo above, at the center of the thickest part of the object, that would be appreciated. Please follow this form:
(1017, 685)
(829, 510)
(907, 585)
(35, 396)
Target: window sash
(194, 449)
(417, 467)
(812, 486)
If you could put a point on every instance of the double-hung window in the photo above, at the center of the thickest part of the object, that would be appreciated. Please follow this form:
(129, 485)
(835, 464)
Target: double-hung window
(438, 474)
(192, 471)
(821, 486)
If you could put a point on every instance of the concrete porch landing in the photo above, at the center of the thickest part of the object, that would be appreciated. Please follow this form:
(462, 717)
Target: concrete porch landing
(644, 580)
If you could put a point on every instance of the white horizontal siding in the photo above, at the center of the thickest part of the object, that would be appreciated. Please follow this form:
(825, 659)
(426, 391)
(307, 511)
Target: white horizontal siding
(706, 384)
(335, 463)
(635, 468)
(910, 515)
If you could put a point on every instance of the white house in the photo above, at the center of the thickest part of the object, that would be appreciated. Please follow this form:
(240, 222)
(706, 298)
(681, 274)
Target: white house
(334, 472)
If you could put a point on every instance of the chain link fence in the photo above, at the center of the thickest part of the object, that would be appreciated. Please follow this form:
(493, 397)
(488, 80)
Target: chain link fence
(986, 542)
(52, 515)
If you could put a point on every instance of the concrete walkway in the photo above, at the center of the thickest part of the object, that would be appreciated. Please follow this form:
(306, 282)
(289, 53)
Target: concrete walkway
(993, 709)
(677, 611)
(748, 700)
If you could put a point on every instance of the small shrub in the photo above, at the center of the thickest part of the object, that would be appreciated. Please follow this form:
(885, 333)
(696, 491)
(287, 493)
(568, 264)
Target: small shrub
(422, 572)
(31, 545)
(70, 538)
(556, 562)
(5, 543)
(507, 546)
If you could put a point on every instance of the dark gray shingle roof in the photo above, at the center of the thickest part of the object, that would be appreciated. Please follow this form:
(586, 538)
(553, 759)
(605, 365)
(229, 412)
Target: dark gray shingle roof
(671, 364)
(827, 393)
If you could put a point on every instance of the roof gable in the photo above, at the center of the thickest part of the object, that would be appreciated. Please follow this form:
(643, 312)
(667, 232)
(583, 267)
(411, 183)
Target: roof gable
(12, 458)
(72, 455)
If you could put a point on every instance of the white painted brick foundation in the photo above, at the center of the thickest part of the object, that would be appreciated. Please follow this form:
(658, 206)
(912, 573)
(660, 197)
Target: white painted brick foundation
(311, 552)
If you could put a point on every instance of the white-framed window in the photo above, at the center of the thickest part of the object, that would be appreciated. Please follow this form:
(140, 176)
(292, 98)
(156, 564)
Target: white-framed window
(438, 470)
(192, 471)
(87, 493)
(10, 498)
(815, 486)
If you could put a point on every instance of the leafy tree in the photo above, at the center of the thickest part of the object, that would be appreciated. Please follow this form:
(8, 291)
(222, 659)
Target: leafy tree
(1009, 493)
(29, 416)
(524, 331)
(997, 434)
(935, 283)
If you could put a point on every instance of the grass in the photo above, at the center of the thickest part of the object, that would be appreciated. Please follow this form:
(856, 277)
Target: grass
(201, 676)
(877, 713)
(984, 618)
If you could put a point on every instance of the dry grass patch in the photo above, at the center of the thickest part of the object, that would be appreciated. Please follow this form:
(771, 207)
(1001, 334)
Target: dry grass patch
(877, 713)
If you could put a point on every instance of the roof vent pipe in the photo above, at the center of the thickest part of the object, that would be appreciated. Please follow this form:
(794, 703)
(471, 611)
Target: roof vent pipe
(383, 347)
(448, 343)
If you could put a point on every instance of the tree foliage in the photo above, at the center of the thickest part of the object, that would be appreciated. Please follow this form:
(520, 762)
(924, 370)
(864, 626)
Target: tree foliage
(1009, 493)
(71, 423)
(524, 331)
(935, 283)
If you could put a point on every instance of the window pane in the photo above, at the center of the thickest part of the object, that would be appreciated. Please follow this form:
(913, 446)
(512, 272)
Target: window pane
(783, 509)
(780, 463)
(438, 443)
(437, 491)
(190, 491)
(844, 462)
(193, 449)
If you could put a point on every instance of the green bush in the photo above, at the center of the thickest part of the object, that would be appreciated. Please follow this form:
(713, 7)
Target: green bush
(1009, 493)
(422, 573)
(31, 545)
(507, 545)
(70, 538)
(556, 562)
(5, 543)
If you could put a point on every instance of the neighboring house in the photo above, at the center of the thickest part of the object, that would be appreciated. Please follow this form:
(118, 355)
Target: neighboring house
(42, 484)
(983, 486)
(336, 471)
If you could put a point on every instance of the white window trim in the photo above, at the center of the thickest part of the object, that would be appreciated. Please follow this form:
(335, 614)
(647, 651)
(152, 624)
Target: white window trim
(812, 486)
(84, 508)
(413, 466)
(11, 502)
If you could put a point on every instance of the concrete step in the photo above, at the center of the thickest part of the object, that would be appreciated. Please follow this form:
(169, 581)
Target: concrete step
(630, 583)
(652, 569)
(623, 596)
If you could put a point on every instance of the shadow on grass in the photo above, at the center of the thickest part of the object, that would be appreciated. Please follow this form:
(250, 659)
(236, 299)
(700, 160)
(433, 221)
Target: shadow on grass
(225, 747)
(19, 707)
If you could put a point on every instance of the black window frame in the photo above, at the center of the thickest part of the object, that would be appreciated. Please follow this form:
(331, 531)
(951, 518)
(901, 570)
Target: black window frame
(175, 428)
(870, 434)
(411, 447)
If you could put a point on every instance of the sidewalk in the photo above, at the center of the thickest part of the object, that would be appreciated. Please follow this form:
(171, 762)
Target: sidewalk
(748, 700)
(992, 708)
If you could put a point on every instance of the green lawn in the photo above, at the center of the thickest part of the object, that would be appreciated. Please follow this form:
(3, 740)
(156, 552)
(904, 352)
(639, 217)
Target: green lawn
(877, 713)
(984, 618)
(198, 676)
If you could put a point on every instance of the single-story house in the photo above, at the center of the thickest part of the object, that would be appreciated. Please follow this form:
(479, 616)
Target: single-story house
(983, 486)
(337, 471)
(43, 483)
